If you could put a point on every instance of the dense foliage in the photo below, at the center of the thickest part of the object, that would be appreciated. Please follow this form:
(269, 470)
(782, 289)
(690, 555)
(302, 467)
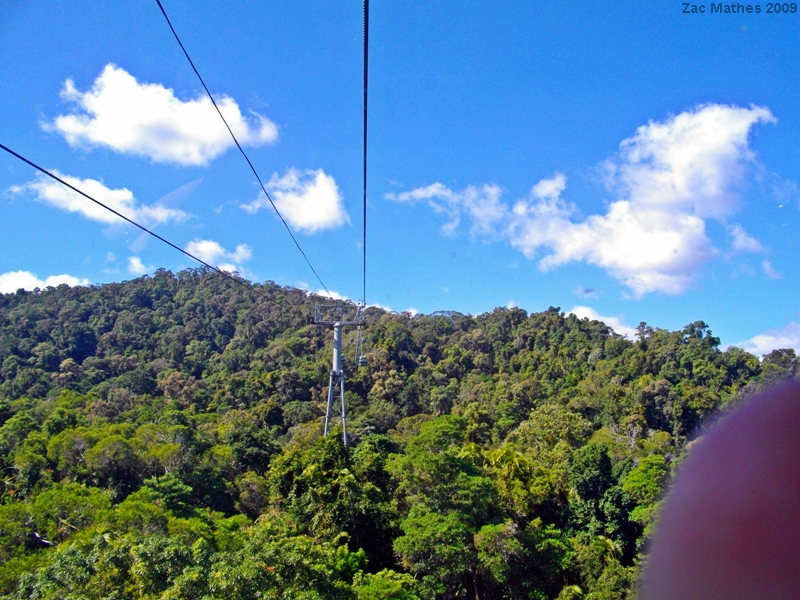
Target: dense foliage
(161, 438)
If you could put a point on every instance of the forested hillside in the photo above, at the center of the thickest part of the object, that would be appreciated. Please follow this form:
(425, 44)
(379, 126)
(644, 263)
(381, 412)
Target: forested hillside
(162, 438)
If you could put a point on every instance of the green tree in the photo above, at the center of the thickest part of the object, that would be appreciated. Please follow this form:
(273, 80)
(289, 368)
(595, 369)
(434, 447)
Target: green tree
(385, 584)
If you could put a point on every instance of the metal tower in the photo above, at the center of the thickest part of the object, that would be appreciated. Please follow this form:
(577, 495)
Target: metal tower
(338, 315)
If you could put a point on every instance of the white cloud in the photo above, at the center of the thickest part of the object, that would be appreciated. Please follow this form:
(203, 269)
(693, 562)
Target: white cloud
(147, 119)
(333, 295)
(770, 270)
(214, 254)
(585, 312)
(14, 280)
(309, 200)
(137, 267)
(550, 189)
(787, 336)
(121, 200)
(411, 311)
(670, 177)
(741, 240)
(481, 204)
(381, 306)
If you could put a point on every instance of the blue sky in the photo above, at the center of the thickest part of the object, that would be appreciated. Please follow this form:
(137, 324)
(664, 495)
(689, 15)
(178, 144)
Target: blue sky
(616, 159)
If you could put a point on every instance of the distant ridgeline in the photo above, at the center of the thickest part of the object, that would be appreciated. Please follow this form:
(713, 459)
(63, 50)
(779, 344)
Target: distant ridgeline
(161, 438)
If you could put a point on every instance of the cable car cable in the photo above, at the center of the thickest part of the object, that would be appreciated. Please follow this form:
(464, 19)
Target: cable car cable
(132, 222)
(252, 168)
(366, 73)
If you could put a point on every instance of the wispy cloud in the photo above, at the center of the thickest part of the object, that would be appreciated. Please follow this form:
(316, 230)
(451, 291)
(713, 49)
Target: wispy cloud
(15, 280)
(670, 177)
(787, 336)
(783, 190)
(309, 200)
(481, 204)
(214, 254)
(121, 200)
(585, 312)
(769, 270)
(741, 240)
(147, 119)
(168, 201)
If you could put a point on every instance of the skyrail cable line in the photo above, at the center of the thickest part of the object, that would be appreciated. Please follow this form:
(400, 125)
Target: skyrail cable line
(366, 79)
(132, 222)
(250, 164)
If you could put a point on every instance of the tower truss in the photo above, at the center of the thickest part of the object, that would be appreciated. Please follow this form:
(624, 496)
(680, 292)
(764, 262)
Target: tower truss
(339, 315)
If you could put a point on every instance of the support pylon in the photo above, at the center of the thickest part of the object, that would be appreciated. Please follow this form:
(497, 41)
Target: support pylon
(336, 382)
(336, 316)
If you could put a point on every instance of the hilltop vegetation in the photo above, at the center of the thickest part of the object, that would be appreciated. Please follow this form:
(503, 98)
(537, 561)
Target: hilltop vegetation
(161, 438)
